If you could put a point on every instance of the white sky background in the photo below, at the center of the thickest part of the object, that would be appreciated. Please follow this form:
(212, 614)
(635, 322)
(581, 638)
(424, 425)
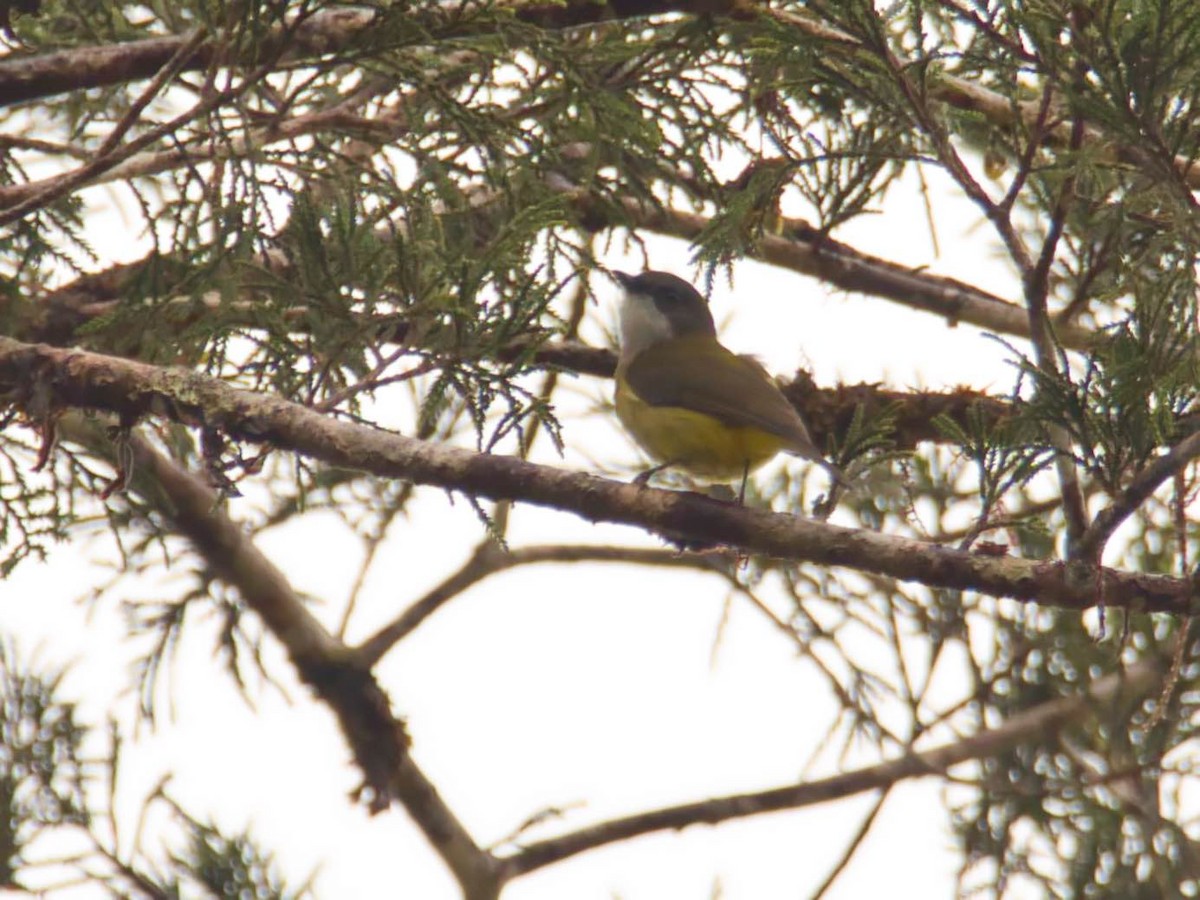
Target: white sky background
(589, 687)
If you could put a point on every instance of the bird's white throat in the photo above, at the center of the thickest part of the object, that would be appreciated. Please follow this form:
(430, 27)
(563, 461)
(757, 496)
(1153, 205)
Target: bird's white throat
(641, 325)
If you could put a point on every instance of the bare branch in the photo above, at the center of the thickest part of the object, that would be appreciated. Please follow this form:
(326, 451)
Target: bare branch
(377, 738)
(1031, 724)
(489, 559)
(852, 847)
(1109, 519)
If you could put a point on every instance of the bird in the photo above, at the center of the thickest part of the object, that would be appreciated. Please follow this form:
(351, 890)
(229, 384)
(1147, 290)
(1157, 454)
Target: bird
(687, 400)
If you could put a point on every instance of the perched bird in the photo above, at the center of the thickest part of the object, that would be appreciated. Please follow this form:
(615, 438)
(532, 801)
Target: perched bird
(689, 402)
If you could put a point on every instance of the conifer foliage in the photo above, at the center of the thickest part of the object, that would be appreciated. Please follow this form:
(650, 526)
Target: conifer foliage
(360, 252)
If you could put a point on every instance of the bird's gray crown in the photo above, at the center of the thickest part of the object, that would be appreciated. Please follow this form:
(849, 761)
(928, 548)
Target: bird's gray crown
(659, 306)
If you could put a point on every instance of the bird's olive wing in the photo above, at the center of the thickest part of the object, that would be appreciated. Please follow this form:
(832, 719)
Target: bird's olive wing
(705, 377)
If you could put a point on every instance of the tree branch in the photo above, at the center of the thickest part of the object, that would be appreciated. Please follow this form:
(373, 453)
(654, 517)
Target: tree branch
(1109, 519)
(61, 185)
(377, 739)
(152, 162)
(1037, 290)
(489, 559)
(25, 78)
(802, 248)
(42, 379)
(1029, 725)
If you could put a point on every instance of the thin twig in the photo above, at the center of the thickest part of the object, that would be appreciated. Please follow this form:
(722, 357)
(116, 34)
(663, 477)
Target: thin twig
(1187, 624)
(1041, 334)
(172, 68)
(855, 842)
(1091, 545)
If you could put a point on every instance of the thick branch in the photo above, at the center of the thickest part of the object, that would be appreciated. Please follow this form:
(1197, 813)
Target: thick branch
(56, 318)
(31, 77)
(43, 379)
(328, 31)
(377, 739)
(34, 77)
(1033, 724)
(804, 249)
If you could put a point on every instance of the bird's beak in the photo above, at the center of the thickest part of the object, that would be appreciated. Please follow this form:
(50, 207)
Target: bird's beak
(622, 278)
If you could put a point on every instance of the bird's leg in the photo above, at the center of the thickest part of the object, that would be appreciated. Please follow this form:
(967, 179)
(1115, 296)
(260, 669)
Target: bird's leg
(742, 492)
(644, 478)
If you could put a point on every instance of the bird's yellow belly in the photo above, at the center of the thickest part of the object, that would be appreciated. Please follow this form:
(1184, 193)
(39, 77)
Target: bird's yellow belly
(695, 442)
